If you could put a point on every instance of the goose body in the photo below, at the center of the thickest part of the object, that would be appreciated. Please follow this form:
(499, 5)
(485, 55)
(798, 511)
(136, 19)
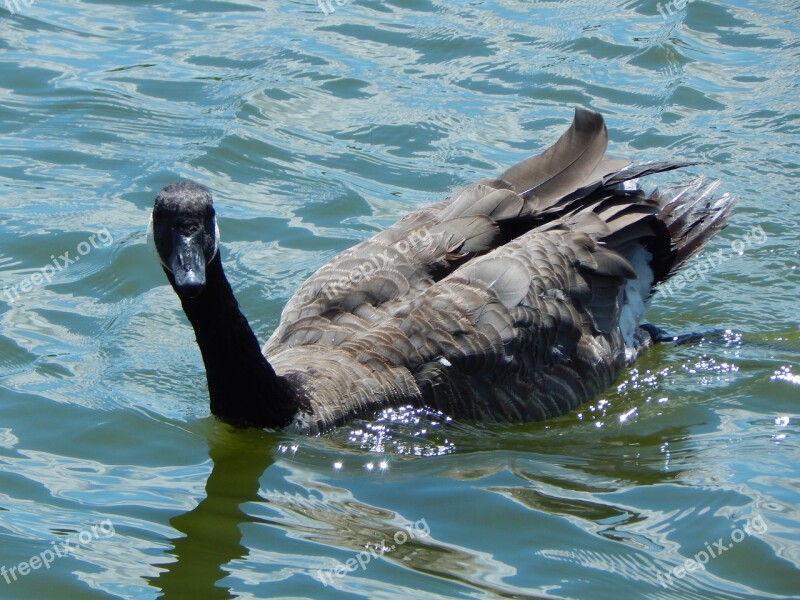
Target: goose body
(517, 299)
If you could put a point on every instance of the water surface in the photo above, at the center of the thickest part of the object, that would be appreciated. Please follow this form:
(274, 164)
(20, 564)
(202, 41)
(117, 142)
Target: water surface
(314, 131)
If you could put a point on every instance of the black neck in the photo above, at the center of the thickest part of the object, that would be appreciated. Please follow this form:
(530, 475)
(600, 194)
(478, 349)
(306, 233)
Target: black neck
(242, 385)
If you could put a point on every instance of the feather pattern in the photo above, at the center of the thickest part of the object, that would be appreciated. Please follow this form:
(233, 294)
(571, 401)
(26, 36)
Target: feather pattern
(517, 299)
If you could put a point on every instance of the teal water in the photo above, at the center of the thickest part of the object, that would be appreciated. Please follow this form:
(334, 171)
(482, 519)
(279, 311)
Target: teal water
(314, 131)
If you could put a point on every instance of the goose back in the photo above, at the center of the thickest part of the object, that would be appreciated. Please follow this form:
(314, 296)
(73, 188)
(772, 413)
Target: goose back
(505, 302)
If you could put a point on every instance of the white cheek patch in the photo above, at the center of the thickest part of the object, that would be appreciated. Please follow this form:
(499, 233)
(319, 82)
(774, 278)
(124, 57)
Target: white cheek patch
(216, 238)
(151, 241)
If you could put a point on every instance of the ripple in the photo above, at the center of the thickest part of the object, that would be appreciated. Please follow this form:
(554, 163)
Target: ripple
(314, 130)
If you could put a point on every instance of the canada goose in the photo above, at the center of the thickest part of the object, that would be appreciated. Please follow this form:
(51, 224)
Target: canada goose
(516, 299)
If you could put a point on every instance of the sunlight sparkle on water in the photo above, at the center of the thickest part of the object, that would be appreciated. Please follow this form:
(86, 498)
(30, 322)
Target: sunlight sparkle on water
(403, 430)
(785, 374)
(624, 416)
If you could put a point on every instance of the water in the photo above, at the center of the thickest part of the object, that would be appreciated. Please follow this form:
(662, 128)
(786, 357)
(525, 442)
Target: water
(315, 130)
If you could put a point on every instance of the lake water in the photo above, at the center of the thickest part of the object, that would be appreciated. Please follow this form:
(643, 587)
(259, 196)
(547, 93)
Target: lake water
(314, 129)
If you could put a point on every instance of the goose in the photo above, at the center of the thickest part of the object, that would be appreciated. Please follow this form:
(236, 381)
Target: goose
(516, 299)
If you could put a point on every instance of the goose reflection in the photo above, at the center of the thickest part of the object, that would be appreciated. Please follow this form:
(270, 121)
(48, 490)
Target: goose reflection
(209, 543)
(210, 534)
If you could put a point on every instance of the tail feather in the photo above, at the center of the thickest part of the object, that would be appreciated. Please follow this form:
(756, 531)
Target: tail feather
(573, 179)
(546, 178)
(692, 216)
(643, 170)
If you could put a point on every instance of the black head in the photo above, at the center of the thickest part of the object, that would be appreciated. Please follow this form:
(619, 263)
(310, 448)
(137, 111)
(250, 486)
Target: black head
(184, 232)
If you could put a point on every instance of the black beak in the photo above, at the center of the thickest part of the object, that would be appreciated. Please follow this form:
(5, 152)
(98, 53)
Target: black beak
(188, 264)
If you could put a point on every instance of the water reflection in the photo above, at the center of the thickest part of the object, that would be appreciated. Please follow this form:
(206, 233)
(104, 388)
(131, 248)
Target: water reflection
(575, 487)
(211, 534)
(210, 546)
